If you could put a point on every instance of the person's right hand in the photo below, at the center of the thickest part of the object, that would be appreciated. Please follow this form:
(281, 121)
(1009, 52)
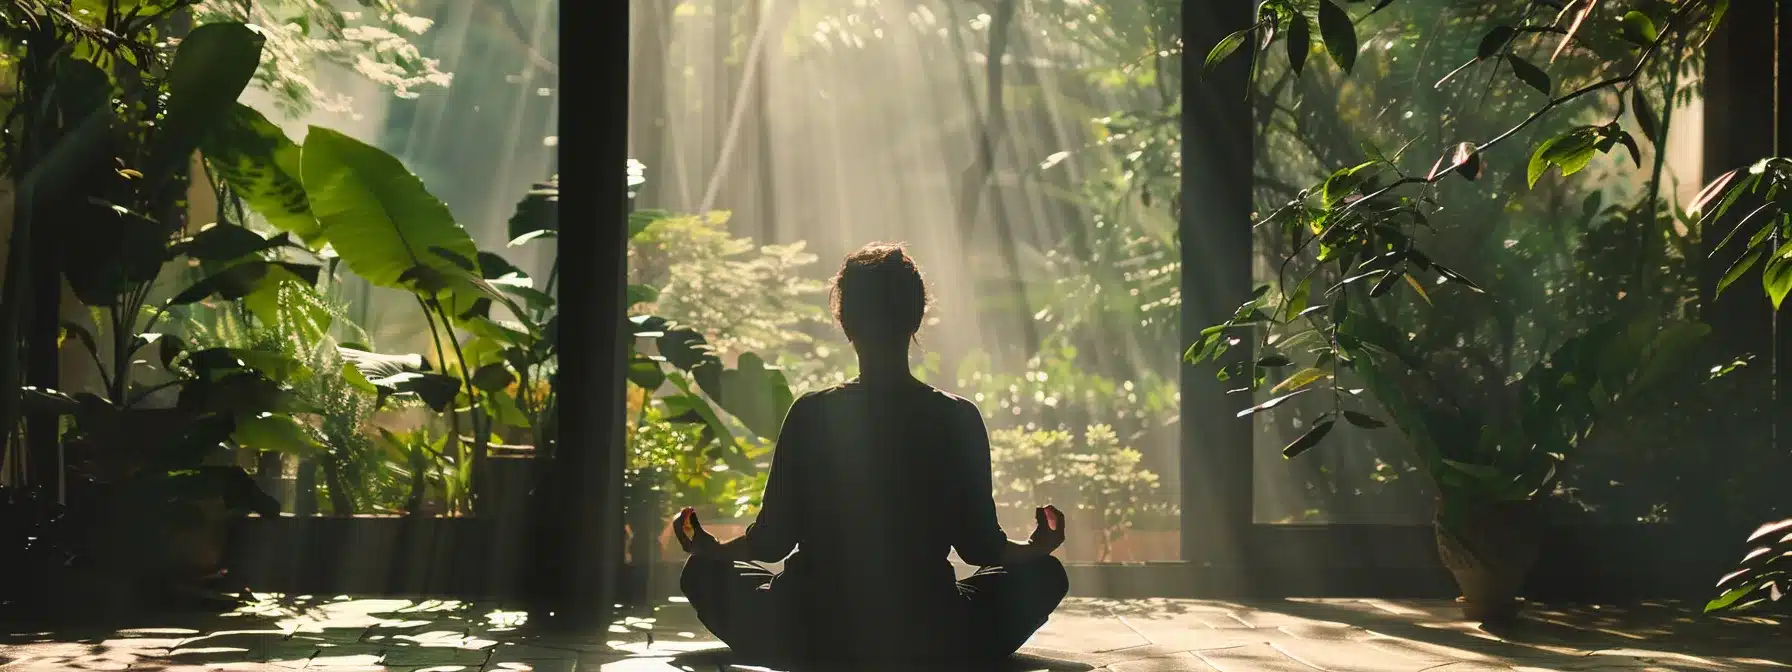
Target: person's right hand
(691, 535)
(1048, 529)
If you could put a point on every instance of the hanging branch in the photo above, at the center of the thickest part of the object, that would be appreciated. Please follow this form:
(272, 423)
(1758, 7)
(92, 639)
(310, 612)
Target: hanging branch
(1362, 227)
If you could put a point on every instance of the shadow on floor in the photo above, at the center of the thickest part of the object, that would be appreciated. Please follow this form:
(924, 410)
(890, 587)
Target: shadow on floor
(723, 660)
(1666, 632)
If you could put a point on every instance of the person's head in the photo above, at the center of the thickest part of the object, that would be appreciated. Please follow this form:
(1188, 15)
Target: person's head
(879, 297)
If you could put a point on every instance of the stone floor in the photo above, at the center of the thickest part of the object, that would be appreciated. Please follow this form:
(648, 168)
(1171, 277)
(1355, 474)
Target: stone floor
(280, 634)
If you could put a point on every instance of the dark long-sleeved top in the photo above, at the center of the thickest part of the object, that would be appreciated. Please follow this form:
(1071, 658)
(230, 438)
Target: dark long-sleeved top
(876, 483)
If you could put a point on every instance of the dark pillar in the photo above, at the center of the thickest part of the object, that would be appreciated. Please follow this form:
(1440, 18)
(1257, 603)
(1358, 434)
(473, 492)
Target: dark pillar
(41, 332)
(579, 500)
(1740, 128)
(1215, 234)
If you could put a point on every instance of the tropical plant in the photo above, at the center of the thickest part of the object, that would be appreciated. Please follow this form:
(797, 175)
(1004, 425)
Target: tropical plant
(101, 141)
(1506, 439)
(665, 458)
(1768, 226)
(1366, 230)
(383, 224)
(351, 463)
(752, 393)
(130, 226)
(1095, 472)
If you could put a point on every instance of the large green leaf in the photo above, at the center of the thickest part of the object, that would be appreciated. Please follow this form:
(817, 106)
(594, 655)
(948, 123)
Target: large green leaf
(263, 166)
(755, 394)
(244, 279)
(504, 410)
(227, 242)
(381, 220)
(538, 214)
(691, 407)
(274, 432)
(238, 392)
(403, 374)
(212, 66)
(123, 250)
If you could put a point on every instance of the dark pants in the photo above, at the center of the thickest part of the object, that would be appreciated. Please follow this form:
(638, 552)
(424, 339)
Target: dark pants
(768, 617)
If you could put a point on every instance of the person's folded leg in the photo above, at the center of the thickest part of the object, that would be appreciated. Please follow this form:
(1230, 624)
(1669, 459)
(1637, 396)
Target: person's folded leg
(1010, 603)
(735, 602)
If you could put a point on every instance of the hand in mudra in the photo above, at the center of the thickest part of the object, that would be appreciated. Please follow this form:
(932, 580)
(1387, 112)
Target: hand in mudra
(1048, 529)
(691, 535)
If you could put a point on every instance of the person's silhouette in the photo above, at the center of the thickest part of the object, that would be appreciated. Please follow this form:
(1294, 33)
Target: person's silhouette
(873, 482)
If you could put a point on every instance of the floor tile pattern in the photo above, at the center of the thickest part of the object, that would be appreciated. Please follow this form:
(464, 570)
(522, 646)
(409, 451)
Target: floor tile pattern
(344, 634)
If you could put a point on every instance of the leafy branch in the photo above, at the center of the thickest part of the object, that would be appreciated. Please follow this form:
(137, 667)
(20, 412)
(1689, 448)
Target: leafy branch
(1363, 228)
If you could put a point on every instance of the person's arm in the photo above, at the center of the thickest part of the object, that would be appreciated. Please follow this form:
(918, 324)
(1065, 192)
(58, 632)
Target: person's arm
(773, 534)
(980, 540)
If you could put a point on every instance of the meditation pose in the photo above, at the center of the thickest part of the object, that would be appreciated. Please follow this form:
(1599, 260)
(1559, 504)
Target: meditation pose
(873, 482)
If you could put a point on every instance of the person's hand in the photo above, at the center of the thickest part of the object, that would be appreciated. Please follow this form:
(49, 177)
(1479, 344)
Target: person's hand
(691, 535)
(1048, 529)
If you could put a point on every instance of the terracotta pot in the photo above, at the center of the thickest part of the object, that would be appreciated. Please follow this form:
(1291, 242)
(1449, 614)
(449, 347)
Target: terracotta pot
(1491, 552)
(196, 549)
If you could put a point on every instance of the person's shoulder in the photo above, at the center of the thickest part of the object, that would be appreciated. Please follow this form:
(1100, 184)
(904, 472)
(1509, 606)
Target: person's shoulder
(819, 397)
(957, 403)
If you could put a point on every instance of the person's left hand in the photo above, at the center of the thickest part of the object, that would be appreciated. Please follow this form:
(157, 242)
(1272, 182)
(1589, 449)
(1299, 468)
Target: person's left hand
(1048, 530)
(691, 535)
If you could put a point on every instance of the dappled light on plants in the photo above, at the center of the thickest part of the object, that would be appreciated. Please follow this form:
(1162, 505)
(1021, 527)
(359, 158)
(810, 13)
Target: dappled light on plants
(1027, 153)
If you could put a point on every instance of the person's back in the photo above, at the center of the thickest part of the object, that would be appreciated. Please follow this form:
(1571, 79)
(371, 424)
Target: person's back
(887, 486)
(872, 484)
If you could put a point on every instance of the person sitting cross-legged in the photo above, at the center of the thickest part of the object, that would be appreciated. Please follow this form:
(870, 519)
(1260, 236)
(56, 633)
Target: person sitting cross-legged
(873, 483)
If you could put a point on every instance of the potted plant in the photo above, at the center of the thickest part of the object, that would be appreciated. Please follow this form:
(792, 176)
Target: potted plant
(150, 482)
(1495, 447)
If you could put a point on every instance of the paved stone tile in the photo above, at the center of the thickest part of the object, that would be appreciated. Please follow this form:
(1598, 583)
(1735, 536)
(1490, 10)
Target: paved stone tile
(1175, 663)
(340, 634)
(1252, 658)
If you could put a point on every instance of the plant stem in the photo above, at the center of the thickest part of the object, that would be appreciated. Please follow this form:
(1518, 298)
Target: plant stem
(442, 358)
(476, 412)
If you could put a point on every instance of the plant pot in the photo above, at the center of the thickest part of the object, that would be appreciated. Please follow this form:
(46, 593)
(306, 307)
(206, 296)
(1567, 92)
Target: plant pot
(644, 516)
(1491, 550)
(168, 536)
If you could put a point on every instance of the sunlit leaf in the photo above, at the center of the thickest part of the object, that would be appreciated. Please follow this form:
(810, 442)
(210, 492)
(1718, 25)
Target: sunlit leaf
(1737, 269)
(1770, 528)
(1272, 403)
(1297, 301)
(1776, 278)
(1226, 46)
(1639, 28)
(1419, 288)
(1299, 380)
(1580, 17)
(1729, 599)
(1718, 9)
(263, 167)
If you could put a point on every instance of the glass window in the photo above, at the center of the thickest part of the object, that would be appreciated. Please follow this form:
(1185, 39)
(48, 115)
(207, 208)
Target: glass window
(1556, 258)
(1027, 155)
